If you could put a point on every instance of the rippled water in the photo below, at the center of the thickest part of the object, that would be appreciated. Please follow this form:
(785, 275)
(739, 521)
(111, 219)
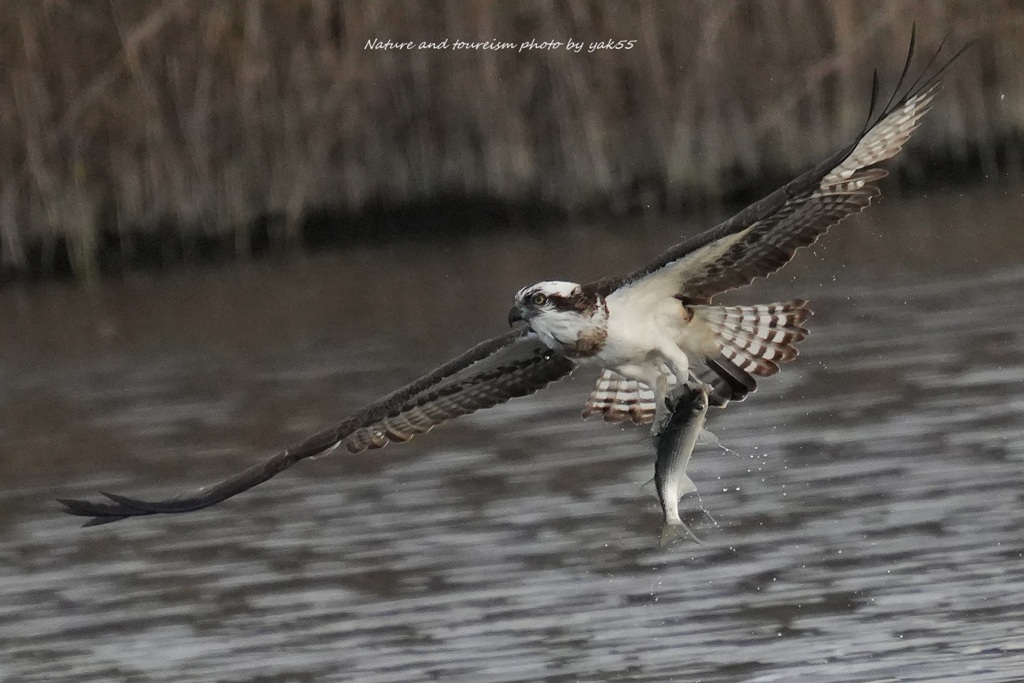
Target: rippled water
(865, 523)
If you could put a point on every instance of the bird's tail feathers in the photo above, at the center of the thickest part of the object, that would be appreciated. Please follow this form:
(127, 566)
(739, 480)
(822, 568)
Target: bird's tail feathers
(757, 338)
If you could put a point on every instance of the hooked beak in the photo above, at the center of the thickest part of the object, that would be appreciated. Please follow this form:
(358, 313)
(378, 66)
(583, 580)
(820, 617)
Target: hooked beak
(515, 315)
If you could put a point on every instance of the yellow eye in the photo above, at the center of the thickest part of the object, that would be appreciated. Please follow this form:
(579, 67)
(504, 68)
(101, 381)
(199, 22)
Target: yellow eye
(539, 299)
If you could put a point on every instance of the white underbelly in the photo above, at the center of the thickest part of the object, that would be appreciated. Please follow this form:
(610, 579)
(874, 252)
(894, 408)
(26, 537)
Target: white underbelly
(646, 341)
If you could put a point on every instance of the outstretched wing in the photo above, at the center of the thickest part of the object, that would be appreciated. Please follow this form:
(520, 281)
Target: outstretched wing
(514, 364)
(764, 236)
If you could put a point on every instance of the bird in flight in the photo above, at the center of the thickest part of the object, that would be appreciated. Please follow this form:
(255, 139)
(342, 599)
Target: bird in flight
(648, 331)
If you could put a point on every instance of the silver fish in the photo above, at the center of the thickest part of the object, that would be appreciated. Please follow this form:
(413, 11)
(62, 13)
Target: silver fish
(676, 437)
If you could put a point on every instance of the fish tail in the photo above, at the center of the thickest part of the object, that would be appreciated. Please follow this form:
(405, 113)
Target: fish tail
(671, 530)
(756, 339)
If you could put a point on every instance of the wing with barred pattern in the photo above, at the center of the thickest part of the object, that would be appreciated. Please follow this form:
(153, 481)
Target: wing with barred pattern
(514, 364)
(764, 236)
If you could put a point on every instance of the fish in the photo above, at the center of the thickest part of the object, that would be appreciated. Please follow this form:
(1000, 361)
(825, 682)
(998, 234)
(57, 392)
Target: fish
(676, 436)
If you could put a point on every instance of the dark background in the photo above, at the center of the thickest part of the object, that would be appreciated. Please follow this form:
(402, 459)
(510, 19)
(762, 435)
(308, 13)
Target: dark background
(160, 132)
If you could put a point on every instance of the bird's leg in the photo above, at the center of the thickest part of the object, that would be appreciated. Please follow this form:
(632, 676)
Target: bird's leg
(679, 365)
(663, 404)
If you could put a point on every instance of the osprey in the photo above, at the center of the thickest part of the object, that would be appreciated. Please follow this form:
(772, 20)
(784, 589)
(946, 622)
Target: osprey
(649, 330)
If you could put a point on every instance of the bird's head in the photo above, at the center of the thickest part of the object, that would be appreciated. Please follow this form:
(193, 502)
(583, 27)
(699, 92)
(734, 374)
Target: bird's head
(559, 312)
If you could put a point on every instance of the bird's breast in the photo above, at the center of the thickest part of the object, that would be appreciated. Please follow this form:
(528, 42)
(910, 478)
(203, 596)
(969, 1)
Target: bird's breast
(590, 342)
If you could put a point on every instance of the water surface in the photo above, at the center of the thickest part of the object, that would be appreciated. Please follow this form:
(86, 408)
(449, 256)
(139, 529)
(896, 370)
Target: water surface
(863, 525)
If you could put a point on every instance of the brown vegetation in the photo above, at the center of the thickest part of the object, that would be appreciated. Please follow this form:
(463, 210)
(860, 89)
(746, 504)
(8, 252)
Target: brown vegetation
(182, 123)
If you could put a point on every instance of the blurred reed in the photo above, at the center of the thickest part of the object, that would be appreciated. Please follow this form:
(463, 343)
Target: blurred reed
(129, 123)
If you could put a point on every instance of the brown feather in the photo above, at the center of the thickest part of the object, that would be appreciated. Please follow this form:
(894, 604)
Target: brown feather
(763, 237)
(513, 364)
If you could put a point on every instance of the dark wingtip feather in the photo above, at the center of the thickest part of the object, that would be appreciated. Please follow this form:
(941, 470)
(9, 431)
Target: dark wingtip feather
(133, 504)
(895, 96)
(875, 88)
(97, 521)
(99, 512)
(904, 90)
(82, 508)
(910, 55)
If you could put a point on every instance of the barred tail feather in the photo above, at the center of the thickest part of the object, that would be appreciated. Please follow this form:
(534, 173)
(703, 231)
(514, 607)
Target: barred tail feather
(753, 341)
(619, 400)
(757, 338)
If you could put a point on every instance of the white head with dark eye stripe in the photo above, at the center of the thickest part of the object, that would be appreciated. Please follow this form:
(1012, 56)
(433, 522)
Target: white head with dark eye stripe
(564, 314)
